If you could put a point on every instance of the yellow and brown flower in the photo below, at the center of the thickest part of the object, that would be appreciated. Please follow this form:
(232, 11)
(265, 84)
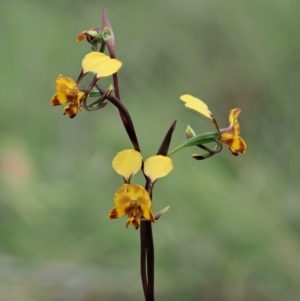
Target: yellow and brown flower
(134, 201)
(230, 135)
(68, 92)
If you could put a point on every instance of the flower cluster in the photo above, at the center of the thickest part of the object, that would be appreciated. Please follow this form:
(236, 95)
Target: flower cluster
(134, 200)
(68, 92)
(229, 136)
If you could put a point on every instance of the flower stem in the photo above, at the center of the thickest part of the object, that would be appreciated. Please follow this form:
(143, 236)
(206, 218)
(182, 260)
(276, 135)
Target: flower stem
(128, 124)
(150, 261)
(175, 150)
(116, 86)
(196, 140)
(147, 260)
(143, 259)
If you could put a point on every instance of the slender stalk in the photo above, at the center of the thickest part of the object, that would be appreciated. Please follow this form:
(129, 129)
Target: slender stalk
(116, 85)
(146, 231)
(143, 259)
(91, 86)
(129, 127)
(102, 47)
(197, 140)
(150, 260)
(118, 96)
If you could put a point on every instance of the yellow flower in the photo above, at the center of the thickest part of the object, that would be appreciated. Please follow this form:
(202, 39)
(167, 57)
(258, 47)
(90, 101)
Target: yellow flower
(230, 135)
(134, 201)
(68, 92)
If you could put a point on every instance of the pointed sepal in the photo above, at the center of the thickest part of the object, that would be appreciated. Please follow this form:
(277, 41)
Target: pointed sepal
(164, 147)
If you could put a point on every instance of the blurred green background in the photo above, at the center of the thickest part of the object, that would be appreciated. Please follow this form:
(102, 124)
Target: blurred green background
(232, 232)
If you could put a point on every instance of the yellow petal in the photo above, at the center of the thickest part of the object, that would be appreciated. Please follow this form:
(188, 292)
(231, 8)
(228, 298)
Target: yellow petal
(127, 163)
(238, 146)
(147, 213)
(123, 196)
(157, 167)
(235, 143)
(71, 110)
(233, 115)
(132, 193)
(107, 68)
(196, 104)
(134, 220)
(66, 85)
(93, 60)
(59, 99)
(116, 212)
(80, 98)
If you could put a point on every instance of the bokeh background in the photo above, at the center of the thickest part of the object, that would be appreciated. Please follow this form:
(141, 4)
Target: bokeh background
(232, 232)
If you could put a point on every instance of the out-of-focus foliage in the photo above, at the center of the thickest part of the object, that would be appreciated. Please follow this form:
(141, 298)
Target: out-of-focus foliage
(232, 232)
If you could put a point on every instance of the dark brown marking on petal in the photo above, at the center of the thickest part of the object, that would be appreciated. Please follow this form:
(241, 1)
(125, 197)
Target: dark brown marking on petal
(136, 223)
(71, 98)
(133, 221)
(151, 219)
(235, 153)
(70, 111)
(229, 141)
(129, 210)
(55, 101)
(242, 147)
(113, 214)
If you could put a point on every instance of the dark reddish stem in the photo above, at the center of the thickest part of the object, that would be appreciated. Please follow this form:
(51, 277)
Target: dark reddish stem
(143, 259)
(150, 260)
(128, 124)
